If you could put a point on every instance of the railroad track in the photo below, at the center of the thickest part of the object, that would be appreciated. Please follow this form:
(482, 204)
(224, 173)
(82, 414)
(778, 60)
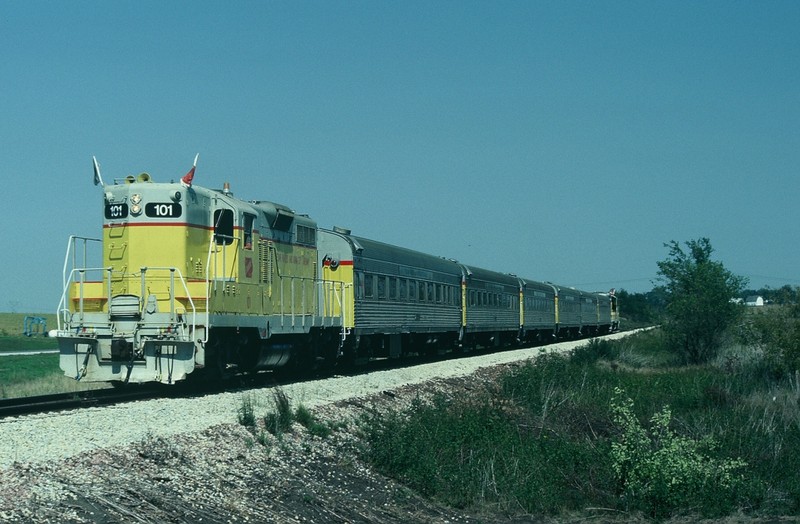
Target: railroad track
(12, 407)
(65, 401)
(106, 397)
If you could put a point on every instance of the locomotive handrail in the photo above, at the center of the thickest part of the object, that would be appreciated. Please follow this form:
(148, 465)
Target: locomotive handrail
(63, 309)
(71, 248)
(337, 290)
(211, 249)
(172, 271)
(208, 292)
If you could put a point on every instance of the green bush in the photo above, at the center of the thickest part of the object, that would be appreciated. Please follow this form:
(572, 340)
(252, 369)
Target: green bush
(662, 473)
(776, 332)
(594, 350)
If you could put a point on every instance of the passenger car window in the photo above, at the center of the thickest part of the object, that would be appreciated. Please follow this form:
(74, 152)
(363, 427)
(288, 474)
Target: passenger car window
(381, 288)
(368, 288)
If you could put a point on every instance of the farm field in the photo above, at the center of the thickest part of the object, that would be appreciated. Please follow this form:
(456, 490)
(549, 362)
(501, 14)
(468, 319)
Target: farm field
(13, 339)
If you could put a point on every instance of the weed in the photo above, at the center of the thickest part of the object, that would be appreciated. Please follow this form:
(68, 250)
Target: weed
(472, 454)
(279, 421)
(307, 420)
(161, 451)
(593, 351)
(264, 439)
(303, 416)
(246, 413)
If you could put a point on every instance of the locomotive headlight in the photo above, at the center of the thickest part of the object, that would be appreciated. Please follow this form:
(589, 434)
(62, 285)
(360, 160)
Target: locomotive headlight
(136, 209)
(136, 198)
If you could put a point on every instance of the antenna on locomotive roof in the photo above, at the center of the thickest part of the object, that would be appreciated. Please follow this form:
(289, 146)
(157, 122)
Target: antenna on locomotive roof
(97, 178)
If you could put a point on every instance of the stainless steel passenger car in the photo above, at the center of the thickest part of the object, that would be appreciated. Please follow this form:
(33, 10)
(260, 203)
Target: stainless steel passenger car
(539, 311)
(492, 308)
(404, 301)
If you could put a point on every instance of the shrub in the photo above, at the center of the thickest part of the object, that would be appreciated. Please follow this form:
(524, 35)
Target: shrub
(661, 472)
(777, 334)
(593, 351)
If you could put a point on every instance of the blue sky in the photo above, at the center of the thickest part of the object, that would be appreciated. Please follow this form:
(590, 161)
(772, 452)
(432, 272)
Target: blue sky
(562, 141)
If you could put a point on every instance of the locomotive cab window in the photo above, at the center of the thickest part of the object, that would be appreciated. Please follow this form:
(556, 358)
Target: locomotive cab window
(248, 230)
(223, 226)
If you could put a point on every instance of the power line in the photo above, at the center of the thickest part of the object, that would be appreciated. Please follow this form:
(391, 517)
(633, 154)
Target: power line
(617, 282)
(780, 279)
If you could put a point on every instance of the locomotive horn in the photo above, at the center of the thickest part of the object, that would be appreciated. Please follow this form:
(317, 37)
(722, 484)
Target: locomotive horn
(144, 177)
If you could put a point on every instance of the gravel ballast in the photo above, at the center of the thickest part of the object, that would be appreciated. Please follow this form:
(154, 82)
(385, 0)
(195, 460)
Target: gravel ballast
(38, 438)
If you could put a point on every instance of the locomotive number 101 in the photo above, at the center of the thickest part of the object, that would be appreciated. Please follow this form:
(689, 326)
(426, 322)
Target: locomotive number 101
(162, 210)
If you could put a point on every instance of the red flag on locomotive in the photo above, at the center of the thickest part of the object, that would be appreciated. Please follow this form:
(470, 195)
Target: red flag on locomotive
(188, 177)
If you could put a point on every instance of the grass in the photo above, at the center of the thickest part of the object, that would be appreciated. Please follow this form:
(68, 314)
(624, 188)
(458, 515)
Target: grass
(31, 375)
(35, 374)
(555, 438)
(280, 420)
(24, 376)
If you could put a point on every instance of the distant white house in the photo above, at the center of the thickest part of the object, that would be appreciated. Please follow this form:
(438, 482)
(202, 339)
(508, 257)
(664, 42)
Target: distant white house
(754, 300)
